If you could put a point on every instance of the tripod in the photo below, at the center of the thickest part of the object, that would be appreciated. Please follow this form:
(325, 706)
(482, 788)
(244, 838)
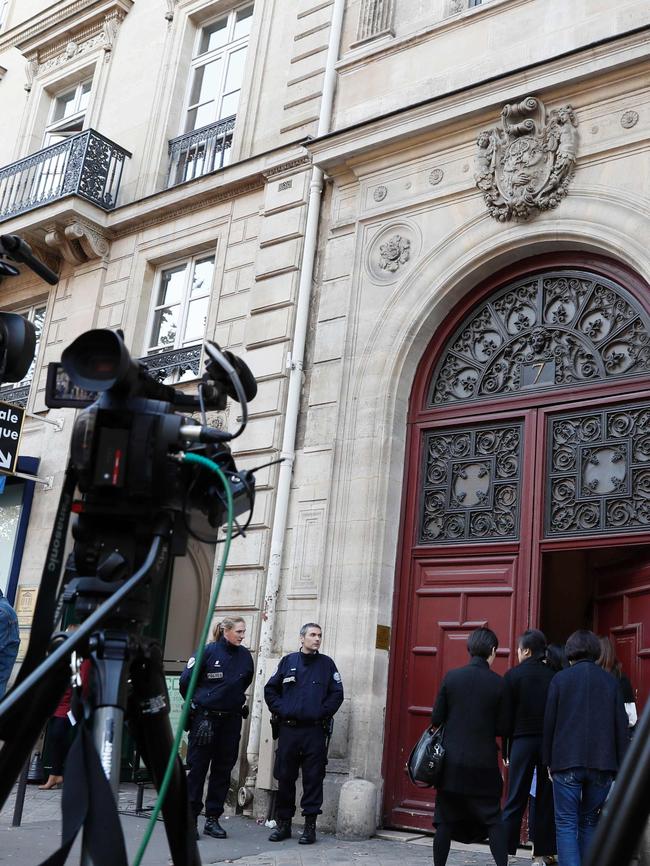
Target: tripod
(129, 682)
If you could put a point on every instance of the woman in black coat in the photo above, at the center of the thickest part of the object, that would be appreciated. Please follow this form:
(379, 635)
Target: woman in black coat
(527, 688)
(472, 706)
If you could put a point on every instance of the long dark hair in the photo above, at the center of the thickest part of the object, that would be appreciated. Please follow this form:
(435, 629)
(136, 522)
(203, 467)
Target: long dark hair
(608, 659)
(556, 657)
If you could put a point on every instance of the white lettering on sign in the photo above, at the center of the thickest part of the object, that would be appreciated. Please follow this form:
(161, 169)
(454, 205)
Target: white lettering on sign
(11, 422)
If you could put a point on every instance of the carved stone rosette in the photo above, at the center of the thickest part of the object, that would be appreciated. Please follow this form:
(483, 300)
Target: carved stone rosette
(526, 165)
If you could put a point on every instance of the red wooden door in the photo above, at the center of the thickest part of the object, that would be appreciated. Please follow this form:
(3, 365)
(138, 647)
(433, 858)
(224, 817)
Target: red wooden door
(512, 410)
(470, 477)
(622, 610)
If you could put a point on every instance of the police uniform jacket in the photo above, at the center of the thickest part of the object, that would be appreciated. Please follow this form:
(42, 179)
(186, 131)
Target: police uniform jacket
(306, 687)
(472, 705)
(226, 673)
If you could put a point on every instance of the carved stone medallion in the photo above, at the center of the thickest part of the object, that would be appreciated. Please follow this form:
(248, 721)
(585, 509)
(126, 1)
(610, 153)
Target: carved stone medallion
(629, 119)
(395, 252)
(525, 165)
(392, 251)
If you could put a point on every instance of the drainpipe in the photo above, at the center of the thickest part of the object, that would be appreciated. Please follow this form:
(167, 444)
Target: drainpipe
(293, 402)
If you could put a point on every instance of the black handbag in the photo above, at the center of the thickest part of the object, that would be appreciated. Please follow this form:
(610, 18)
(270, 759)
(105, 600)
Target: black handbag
(427, 759)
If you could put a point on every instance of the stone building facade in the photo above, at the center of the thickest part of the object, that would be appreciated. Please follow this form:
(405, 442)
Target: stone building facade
(338, 186)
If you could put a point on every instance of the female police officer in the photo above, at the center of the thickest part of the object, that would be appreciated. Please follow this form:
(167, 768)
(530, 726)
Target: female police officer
(218, 706)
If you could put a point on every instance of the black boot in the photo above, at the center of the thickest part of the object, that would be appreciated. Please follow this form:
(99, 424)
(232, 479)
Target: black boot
(282, 831)
(309, 831)
(213, 828)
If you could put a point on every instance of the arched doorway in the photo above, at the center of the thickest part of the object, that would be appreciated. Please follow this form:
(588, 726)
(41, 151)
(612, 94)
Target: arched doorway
(527, 494)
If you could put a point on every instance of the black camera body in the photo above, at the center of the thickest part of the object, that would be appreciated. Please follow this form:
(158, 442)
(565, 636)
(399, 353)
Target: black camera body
(126, 452)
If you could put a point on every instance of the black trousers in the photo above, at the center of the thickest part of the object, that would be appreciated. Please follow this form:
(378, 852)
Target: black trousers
(525, 756)
(59, 738)
(300, 749)
(220, 756)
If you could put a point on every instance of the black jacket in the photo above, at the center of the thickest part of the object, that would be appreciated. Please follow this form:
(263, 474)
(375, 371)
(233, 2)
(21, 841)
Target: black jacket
(473, 707)
(226, 673)
(306, 687)
(585, 724)
(527, 687)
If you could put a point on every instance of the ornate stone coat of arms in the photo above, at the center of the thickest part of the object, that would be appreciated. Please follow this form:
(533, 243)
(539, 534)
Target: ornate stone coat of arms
(526, 165)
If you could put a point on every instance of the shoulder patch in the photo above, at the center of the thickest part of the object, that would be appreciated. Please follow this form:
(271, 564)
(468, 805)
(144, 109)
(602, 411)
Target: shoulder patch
(190, 662)
(337, 677)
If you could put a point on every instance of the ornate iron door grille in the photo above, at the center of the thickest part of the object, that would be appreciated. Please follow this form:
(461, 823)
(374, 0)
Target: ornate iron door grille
(558, 329)
(471, 483)
(598, 470)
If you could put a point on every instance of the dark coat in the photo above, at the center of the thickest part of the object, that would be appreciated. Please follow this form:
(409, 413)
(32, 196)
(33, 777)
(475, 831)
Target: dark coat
(226, 672)
(527, 687)
(473, 707)
(585, 724)
(306, 687)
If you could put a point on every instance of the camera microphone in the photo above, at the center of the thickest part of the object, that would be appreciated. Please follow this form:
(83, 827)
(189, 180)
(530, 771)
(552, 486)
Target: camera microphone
(20, 251)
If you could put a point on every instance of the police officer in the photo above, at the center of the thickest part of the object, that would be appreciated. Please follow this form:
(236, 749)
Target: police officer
(218, 706)
(303, 695)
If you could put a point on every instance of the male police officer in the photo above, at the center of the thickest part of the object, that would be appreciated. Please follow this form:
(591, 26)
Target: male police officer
(303, 695)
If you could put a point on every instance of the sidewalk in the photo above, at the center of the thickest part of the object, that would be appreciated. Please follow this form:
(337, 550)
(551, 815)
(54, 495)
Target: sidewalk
(247, 844)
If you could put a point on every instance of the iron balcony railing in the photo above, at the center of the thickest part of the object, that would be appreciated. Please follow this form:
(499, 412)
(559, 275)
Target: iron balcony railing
(199, 152)
(173, 365)
(16, 394)
(87, 165)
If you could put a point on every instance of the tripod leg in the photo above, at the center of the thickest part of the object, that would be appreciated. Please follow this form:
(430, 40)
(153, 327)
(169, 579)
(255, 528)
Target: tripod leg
(26, 727)
(149, 723)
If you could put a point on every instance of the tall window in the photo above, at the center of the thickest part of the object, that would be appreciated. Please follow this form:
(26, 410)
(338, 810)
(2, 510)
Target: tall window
(216, 79)
(18, 391)
(180, 309)
(68, 113)
(218, 69)
(3, 12)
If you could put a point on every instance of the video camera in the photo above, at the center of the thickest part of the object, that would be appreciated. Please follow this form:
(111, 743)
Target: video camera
(17, 334)
(129, 428)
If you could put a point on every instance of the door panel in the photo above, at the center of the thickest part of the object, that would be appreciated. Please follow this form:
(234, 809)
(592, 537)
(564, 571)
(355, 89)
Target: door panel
(622, 610)
(451, 597)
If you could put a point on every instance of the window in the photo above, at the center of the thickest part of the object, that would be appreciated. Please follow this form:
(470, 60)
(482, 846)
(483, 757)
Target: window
(10, 391)
(218, 69)
(68, 113)
(180, 309)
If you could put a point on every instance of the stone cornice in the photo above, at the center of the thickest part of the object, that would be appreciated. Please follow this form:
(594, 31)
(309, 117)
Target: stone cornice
(477, 98)
(60, 22)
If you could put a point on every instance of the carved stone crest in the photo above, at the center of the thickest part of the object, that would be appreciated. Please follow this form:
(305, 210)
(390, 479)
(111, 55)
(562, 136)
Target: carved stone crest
(395, 252)
(526, 165)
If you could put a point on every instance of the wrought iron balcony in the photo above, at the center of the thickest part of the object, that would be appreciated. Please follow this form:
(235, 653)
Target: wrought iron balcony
(174, 365)
(199, 152)
(16, 394)
(87, 165)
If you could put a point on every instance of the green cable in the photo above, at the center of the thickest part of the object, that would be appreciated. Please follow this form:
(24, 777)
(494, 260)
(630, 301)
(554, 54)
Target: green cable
(203, 461)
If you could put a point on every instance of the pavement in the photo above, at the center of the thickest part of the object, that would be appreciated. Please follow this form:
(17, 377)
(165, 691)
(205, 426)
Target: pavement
(247, 844)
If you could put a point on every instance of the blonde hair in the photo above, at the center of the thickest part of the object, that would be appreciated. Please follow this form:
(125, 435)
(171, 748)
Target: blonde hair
(225, 624)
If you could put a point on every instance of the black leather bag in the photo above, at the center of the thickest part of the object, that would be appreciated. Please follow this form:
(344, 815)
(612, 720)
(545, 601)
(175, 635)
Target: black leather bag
(427, 759)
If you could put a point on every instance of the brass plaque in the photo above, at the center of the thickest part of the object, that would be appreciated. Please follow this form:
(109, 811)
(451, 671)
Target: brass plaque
(383, 637)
